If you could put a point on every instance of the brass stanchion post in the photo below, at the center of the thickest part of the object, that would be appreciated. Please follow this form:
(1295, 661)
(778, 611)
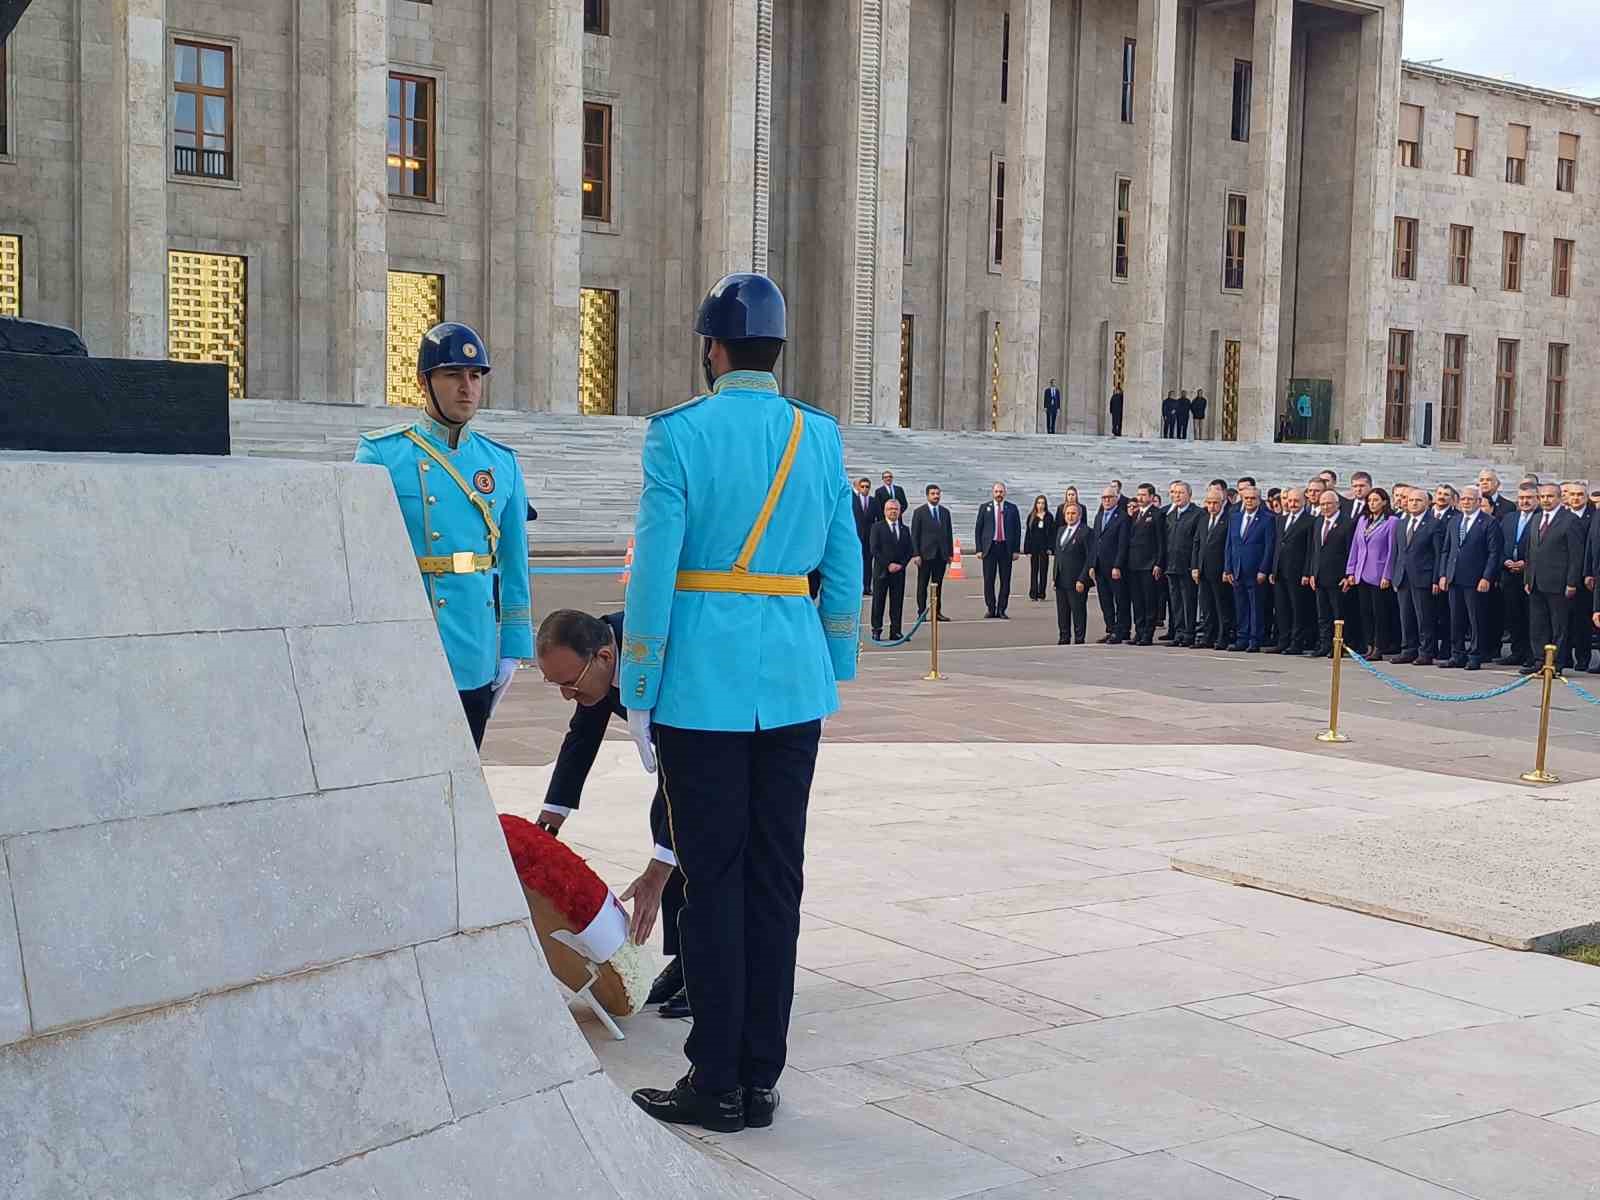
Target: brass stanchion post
(1539, 774)
(933, 615)
(1331, 733)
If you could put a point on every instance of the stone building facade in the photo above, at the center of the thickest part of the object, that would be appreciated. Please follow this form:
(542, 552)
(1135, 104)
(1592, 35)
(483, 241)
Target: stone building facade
(961, 198)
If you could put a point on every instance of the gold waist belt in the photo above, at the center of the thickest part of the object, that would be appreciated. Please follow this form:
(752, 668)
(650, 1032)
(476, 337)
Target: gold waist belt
(743, 583)
(463, 562)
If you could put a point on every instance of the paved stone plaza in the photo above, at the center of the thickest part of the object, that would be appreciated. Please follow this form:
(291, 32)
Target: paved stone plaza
(1007, 993)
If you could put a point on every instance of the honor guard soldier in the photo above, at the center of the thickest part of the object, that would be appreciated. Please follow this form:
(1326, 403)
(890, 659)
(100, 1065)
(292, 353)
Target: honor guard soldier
(731, 667)
(466, 508)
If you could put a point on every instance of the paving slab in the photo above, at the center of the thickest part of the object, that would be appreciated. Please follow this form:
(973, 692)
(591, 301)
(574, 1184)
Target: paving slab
(1039, 1144)
(1284, 1165)
(1157, 1176)
(1524, 984)
(1515, 871)
(1507, 1154)
(1385, 1006)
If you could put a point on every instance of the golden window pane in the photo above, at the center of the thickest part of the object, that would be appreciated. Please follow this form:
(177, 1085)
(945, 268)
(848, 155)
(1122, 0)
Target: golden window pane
(10, 275)
(1230, 391)
(597, 352)
(206, 312)
(416, 305)
(1119, 360)
(994, 379)
(905, 371)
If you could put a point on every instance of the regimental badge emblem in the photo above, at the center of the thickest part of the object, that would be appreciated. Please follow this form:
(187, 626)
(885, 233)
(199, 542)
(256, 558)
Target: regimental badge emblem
(469, 350)
(484, 481)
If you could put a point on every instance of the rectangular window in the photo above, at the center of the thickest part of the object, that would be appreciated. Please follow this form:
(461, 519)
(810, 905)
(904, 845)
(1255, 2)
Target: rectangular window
(1410, 135)
(1461, 255)
(997, 212)
(1561, 268)
(202, 110)
(597, 16)
(1228, 424)
(1567, 162)
(1128, 49)
(10, 275)
(1005, 55)
(1233, 247)
(1516, 153)
(5, 136)
(907, 338)
(1455, 362)
(597, 162)
(206, 312)
(1119, 359)
(411, 141)
(1466, 143)
(1397, 396)
(597, 352)
(1511, 263)
(416, 305)
(1555, 396)
(1119, 262)
(1505, 392)
(1241, 100)
(1405, 247)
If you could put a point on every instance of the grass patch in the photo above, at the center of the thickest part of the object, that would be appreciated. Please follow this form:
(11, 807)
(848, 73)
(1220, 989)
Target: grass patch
(1583, 954)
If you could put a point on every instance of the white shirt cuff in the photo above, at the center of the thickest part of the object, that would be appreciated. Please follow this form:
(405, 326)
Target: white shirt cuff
(558, 809)
(663, 855)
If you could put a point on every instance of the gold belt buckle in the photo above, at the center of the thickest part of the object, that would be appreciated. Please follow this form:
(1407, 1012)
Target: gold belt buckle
(463, 562)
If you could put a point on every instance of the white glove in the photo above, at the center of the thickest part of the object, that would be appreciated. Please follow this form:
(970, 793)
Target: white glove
(502, 680)
(639, 731)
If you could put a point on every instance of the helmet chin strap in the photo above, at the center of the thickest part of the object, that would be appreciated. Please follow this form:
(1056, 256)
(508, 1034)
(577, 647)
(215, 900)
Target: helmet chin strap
(437, 413)
(705, 361)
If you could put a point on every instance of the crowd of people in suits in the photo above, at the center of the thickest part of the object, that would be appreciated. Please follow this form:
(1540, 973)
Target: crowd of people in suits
(1452, 577)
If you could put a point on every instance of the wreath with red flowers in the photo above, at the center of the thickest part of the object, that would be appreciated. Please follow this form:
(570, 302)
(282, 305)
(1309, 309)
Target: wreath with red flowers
(546, 866)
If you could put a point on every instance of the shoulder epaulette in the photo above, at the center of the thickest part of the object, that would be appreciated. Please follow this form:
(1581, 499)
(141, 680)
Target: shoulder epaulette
(496, 442)
(387, 431)
(676, 408)
(811, 408)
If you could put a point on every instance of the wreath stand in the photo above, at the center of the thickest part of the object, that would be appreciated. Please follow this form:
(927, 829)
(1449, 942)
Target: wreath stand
(578, 977)
(586, 994)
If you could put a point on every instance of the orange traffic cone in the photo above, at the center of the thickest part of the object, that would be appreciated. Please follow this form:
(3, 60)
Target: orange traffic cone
(955, 564)
(627, 565)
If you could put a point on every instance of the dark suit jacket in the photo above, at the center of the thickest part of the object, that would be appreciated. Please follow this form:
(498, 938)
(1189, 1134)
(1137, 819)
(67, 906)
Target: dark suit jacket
(1329, 557)
(1502, 506)
(1291, 556)
(883, 496)
(1197, 406)
(1116, 404)
(1180, 537)
(1555, 561)
(1110, 542)
(1073, 556)
(1249, 553)
(1210, 545)
(1052, 398)
(933, 539)
(1515, 548)
(865, 515)
(1147, 541)
(887, 548)
(1038, 534)
(983, 533)
(1479, 557)
(1421, 563)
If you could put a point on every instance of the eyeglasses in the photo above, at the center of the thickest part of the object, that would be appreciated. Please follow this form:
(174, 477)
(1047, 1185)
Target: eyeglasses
(574, 685)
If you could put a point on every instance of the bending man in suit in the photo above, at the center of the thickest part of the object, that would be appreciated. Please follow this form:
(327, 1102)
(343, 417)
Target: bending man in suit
(1247, 559)
(933, 539)
(578, 653)
(1418, 550)
(1109, 566)
(1073, 552)
(1553, 577)
(1471, 565)
(1183, 518)
(998, 537)
(892, 552)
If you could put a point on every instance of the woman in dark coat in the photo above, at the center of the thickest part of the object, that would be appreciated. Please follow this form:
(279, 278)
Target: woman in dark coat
(1038, 543)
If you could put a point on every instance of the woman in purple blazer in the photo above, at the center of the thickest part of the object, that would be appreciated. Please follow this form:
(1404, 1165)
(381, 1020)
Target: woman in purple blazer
(1368, 570)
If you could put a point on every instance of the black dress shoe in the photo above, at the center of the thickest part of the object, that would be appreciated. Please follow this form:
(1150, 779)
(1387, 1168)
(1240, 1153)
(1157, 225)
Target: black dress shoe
(1254, 649)
(1294, 651)
(1105, 641)
(720, 1112)
(668, 984)
(1002, 615)
(942, 617)
(1474, 664)
(1451, 664)
(1114, 641)
(1401, 659)
(676, 1005)
(1272, 649)
(759, 1105)
(1509, 660)
(1424, 661)
(1529, 669)
(990, 615)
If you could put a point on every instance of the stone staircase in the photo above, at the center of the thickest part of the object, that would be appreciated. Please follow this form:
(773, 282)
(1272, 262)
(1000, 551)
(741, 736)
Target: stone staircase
(583, 472)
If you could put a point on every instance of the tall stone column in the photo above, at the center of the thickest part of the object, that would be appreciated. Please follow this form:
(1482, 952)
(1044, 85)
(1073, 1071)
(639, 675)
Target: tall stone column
(502, 202)
(1022, 263)
(550, 224)
(727, 139)
(1269, 148)
(358, 177)
(122, 188)
(894, 89)
(1154, 64)
(1359, 412)
(313, 329)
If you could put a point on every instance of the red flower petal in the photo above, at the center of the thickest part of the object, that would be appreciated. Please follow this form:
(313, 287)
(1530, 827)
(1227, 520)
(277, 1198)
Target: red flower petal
(547, 866)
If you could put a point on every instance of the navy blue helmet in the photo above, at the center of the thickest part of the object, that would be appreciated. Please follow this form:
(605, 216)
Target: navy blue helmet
(451, 344)
(742, 306)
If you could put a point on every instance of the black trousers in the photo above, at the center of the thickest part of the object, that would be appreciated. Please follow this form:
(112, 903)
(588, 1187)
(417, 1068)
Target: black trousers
(672, 893)
(997, 571)
(738, 807)
(1549, 620)
(1072, 611)
(1515, 611)
(931, 572)
(1144, 590)
(866, 567)
(1050, 420)
(1113, 595)
(1416, 620)
(1039, 574)
(1116, 424)
(1375, 619)
(1218, 628)
(1295, 607)
(1441, 624)
(1183, 425)
(1183, 593)
(1250, 617)
(890, 587)
(1494, 621)
(1580, 630)
(1466, 622)
(476, 704)
(1329, 610)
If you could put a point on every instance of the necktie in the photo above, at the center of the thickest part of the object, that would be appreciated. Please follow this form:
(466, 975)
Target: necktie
(1244, 524)
(1327, 528)
(1545, 524)
(1411, 530)
(1211, 527)
(1466, 527)
(999, 533)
